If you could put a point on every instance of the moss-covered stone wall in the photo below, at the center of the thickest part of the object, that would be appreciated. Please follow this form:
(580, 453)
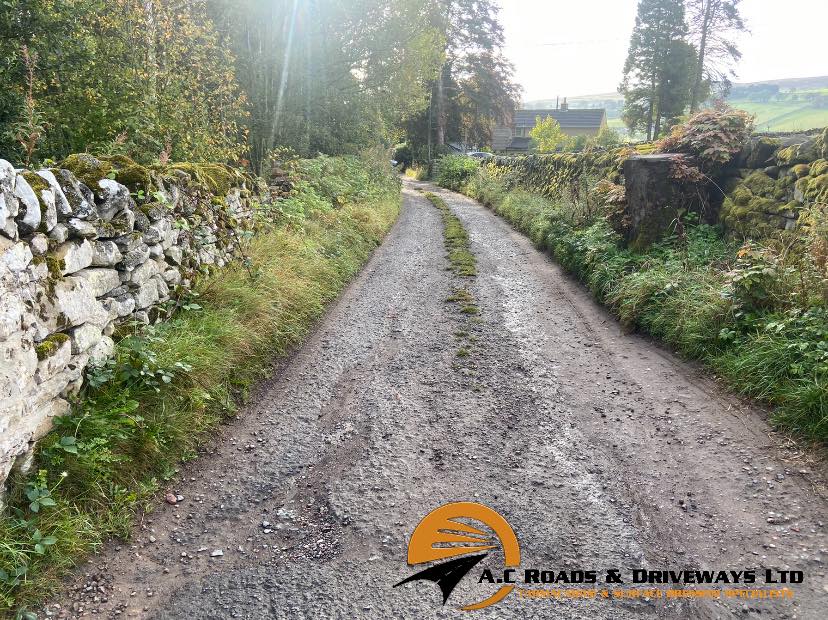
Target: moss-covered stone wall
(762, 191)
(87, 246)
(772, 180)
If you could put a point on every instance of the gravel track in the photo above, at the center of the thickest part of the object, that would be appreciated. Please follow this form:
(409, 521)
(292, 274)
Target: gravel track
(601, 450)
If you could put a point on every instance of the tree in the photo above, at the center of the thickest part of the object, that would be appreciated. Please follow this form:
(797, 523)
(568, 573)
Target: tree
(327, 75)
(485, 96)
(46, 29)
(607, 138)
(547, 135)
(712, 26)
(654, 86)
(125, 75)
(673, 91)
(474, 90)
(474, 38)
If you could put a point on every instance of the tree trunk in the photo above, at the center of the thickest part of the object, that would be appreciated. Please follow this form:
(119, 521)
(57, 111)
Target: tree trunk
(441, 109)
(654, 89)
(660, 96)
(709, 12)
(651, 110)
(150, 37)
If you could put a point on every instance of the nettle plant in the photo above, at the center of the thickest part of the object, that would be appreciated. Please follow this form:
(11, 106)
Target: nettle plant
(29, 540)
(136, 364)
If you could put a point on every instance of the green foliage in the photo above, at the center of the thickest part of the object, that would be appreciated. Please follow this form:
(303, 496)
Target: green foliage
(711, 137)
(486, 95)
(339, 181)
(329, 76)
(658, 69)
(22, 542)
(126, 76)
(474, 89)
(782, 357)
(754, 278)
(607, 138)
(167, 386)
(547, 135)
(714, 25)
(29, 130)
(486, 187)
(210, 80)
(553, 175)
(417, 172)
(453, 171)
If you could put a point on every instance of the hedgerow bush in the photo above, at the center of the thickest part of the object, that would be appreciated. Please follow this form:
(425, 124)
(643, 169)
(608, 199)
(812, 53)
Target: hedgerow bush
(454, 171)
(710, 137)
(417, 172)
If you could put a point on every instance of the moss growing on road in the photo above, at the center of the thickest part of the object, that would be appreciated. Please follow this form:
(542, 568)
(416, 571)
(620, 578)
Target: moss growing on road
(461, 259)
(461, 262)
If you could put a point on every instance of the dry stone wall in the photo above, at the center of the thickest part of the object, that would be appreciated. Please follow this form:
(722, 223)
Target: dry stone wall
(86, 247)
(763, 190)
(772, 180)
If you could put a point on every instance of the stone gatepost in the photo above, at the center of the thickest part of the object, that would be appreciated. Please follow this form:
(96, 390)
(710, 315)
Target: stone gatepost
(654, 199)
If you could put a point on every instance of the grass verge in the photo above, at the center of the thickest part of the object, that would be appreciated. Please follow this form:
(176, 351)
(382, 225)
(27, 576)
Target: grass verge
(155, 402)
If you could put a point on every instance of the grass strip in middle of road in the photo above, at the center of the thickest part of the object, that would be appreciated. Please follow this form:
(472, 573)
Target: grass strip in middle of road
(461, 260)
(464, 265)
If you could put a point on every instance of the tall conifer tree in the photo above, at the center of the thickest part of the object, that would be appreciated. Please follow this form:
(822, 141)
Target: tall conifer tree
(658, 65)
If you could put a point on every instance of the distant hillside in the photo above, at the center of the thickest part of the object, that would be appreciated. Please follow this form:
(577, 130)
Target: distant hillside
(789, 104)
(794, 83)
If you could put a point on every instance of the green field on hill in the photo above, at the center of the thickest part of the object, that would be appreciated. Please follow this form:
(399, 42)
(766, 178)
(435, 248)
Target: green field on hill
(770, 116)
(797, 105)
(784, 115)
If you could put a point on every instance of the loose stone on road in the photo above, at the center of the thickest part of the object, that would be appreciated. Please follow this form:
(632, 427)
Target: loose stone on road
(600, 449)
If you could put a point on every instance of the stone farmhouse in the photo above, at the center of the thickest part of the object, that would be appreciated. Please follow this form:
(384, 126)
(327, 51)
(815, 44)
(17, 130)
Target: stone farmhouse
(514, 138)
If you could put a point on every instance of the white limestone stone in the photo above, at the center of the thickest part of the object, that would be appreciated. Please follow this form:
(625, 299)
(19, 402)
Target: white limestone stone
(100, 280)
(75, 255)
(85, 337)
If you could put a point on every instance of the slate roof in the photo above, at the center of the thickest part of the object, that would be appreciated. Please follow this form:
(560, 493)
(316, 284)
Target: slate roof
(567, 119)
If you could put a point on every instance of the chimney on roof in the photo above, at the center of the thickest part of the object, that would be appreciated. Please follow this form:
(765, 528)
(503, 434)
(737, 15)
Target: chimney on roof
(557, 103)
(564, 105)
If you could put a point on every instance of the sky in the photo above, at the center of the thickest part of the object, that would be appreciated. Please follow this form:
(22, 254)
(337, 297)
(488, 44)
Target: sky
(577, 47)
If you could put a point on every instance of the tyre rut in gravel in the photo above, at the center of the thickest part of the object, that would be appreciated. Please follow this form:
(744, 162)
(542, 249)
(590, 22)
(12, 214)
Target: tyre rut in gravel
(600, 449)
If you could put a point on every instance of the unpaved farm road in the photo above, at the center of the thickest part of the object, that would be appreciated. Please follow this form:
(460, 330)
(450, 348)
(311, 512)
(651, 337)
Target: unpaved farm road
(600, 449)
